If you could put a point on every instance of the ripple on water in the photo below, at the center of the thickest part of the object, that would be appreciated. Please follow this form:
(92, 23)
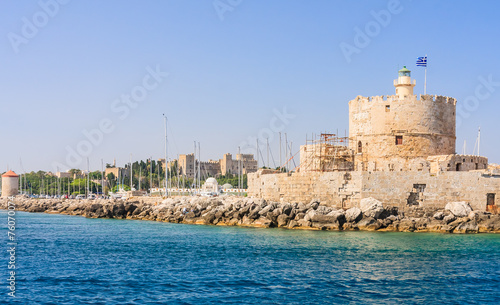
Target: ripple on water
(67, 260)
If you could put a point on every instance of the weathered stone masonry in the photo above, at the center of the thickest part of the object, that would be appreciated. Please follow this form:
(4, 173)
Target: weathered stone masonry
(399, 189)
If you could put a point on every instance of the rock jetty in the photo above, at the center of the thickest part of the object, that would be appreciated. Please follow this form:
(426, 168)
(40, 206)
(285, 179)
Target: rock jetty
(371, 215)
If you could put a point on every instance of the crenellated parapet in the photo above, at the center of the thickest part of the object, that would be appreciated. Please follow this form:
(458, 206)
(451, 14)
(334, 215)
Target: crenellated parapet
(439, 99)
(414, 98)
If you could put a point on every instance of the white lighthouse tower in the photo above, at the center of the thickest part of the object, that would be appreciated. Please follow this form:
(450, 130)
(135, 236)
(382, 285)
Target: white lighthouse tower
(404, 85)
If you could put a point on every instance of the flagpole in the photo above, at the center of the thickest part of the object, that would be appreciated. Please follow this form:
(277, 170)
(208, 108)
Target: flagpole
(425, 76)
(425, 81)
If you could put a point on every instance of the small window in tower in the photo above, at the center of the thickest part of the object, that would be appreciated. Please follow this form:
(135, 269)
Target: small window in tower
(360, 147)
(399, 140)
(387, 108)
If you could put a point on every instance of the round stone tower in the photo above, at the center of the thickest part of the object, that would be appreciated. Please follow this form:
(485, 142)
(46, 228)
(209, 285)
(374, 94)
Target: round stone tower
(396, 132)
(10, 184)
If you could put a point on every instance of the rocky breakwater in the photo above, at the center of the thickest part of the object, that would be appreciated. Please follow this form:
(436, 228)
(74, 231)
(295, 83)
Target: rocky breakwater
(371, 215)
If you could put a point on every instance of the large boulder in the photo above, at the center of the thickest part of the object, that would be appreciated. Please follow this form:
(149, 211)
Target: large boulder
(459, 209)
(323, 218)
(293, 224)
(326, 222)
(467, 227)
(438, 215)
(369, 224)
(310, 214)
(209, 218)
(371, 207)
(304, 223)
(286, 209)
(262, 223)
(283, 220)
(449, 218)
(314, 204)
(300, 216)
(407, 225)
(267, 209)
(353, 214)
(254, 212)
(338, 214)
(490, 225)
(301, 208)
(323, 210)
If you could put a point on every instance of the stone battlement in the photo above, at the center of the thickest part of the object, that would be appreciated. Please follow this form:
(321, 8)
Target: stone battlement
(395, 98)
(210, 162)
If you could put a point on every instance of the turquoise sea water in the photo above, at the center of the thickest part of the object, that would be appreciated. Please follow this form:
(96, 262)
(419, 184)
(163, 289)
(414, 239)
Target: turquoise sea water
(73, 260)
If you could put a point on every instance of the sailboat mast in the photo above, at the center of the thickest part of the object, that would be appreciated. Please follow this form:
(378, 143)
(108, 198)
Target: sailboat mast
(88, 177)
(166, 154)
(130, 171)
(478, 140)
(257, 153)
(238, 158)
(286, 152)
(281, 163)
(267, 142)
(199, 166)
(102, 177)
(194, 167)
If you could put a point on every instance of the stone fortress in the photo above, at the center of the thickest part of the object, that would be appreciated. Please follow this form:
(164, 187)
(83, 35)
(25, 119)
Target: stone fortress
(400, 150)
(187, 165)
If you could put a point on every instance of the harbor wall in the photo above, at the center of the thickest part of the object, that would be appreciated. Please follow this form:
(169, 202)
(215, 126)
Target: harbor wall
(396, 189)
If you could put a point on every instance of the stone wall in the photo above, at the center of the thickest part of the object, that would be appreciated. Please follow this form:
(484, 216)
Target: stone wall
(402, 189)
(340, 189)
(398, 189)
(457, 163)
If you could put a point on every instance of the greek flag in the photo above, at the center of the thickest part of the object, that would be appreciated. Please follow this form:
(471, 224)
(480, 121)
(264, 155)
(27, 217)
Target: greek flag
(422, 61)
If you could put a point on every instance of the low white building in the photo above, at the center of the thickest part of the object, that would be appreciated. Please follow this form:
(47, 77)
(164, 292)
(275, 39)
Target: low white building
(211, 186)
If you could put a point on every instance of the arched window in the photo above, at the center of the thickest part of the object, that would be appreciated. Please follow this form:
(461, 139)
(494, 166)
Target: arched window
(360, 147)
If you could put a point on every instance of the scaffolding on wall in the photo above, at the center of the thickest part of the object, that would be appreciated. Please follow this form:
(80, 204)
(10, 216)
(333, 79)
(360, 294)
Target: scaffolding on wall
(326, 153)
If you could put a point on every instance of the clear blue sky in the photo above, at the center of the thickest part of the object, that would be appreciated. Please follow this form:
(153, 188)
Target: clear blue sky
(228, 71)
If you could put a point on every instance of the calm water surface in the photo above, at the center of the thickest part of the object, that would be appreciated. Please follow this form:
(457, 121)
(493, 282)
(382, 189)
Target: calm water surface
(73, 260)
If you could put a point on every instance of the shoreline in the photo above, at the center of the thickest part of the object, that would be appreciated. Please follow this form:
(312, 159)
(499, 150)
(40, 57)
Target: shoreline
(258, 213)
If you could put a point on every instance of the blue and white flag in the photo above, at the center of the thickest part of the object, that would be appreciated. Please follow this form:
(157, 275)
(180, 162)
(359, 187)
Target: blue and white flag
(422, 61)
